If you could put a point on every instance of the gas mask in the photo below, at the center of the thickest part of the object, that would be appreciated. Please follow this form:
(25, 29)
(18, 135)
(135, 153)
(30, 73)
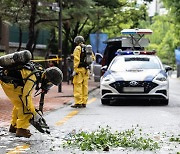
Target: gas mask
(45, 84)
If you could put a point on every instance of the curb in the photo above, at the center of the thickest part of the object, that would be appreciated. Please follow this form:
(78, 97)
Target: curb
(71, 102)
(73, 95)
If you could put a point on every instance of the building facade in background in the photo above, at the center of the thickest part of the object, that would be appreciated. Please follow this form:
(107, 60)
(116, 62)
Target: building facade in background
(154, 7)
(9, 39)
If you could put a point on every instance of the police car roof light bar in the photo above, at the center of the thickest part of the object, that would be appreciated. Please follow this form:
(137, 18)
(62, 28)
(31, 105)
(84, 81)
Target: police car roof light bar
(125, 53)
(137, 53)
(147, 52)
(137, 31)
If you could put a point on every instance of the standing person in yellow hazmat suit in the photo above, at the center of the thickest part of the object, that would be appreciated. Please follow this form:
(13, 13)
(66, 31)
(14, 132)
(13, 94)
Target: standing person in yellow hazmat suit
(18, 83)
(80, 74)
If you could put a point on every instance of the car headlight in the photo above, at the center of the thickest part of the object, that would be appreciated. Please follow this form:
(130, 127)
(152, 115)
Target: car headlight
(160, 77)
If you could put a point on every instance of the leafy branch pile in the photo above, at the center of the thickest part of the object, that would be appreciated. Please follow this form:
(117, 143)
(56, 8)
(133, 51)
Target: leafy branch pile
(104, 139)
(175, 139)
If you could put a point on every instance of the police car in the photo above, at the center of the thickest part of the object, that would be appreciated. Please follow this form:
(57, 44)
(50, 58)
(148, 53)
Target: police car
(135, 75)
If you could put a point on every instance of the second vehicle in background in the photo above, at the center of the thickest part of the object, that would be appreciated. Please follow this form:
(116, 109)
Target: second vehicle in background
(96, 67)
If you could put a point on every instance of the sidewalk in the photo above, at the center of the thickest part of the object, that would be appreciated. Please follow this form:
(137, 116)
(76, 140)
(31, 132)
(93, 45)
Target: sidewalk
(53, 100)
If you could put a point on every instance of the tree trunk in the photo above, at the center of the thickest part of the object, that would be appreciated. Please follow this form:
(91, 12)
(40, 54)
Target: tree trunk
(66, 48)
(0, 29)
(32, 26)
(74, 34)
(35, 39)
(20, 39)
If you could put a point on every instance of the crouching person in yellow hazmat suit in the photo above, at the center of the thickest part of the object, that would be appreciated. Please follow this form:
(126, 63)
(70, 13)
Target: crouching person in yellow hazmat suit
(18, 82)
(81, 72)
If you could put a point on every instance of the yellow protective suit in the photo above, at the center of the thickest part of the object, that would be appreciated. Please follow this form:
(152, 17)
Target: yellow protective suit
(21, 98)
(80, 80)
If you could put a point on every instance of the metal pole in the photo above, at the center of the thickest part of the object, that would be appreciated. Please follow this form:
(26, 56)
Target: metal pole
(98, 31)
(60, 40)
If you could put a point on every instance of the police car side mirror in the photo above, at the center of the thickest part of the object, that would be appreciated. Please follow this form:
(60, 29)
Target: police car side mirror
(168, 68)
(103, 69)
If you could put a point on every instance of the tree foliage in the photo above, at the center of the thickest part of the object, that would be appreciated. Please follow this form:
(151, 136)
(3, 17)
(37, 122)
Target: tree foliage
(80, 17)
(166, 32)
(174, 7)
(26, 14)
(163, 39)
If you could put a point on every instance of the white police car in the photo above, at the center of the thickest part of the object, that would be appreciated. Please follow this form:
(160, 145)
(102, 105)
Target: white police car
(135, 75)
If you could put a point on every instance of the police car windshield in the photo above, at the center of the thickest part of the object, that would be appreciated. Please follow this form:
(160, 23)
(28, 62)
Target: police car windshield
(122, 63)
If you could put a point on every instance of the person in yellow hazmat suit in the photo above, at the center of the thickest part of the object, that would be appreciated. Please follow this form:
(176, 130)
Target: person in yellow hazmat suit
(80, 73)
(18, 84)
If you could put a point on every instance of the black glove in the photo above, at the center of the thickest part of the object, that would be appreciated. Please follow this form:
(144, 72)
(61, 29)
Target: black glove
(39, 122)
(38, 117)
(74, 73)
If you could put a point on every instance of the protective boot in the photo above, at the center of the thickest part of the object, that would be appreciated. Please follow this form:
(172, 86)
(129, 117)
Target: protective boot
(20, 132)
(12, 129)
(76, 106)
(83, 105)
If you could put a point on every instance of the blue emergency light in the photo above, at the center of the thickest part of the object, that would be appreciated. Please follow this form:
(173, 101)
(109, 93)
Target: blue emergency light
(128, 52)
(125, 53)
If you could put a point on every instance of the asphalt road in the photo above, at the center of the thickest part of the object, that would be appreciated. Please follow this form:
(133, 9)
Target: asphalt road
(159, 122)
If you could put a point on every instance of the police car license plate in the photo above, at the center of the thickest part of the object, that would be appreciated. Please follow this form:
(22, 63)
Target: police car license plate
(133, 89)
